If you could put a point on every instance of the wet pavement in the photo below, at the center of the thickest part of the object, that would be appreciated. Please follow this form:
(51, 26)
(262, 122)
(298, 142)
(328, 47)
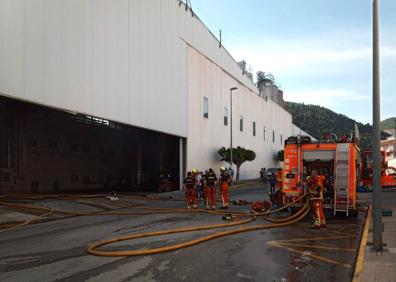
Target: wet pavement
(56, 250)
(381, 266)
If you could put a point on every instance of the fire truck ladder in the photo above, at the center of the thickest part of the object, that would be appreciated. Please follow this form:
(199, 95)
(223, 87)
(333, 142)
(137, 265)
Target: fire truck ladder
(341, 183)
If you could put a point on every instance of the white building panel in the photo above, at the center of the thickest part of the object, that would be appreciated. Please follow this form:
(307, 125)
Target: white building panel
(1, 45)
(207, 135)
(147, 63)
(121, 60)
(13, 14)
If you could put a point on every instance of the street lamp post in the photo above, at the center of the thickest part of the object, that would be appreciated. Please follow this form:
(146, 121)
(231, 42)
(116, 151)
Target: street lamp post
(231, 159)
(377, 193)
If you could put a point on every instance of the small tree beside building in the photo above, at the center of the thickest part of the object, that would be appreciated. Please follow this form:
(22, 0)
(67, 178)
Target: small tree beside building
(280, 155)
(239, 156)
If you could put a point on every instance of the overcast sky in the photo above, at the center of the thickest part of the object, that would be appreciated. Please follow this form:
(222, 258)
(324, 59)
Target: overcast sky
(318, 50)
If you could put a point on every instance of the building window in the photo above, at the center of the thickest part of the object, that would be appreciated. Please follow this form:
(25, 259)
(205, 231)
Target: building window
(281, 139)
(273, 136)
(254, 128)
(265, 133)
(206, 107)
(241, 123)
(97, 120)
(225, 116)
(52, 144)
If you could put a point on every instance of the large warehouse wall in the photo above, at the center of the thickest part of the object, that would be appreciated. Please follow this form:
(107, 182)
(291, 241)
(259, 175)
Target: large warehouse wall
(207, 135)
(127, 61)
(122, 60)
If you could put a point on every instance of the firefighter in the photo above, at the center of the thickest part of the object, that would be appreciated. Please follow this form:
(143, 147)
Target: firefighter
(210, 190)
(189, 188)
(315, 190)
(279, 180)
(231, 174)
(224, 181)
(198, 184)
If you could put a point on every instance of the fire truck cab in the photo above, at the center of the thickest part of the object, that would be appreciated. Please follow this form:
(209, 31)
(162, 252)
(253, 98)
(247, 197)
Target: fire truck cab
(338, 161)
(388, 173)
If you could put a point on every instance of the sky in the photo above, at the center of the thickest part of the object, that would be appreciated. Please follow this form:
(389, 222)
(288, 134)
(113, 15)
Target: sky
(318, 50)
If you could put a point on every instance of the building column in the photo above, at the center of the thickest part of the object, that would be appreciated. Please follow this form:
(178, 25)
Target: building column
(182, 162)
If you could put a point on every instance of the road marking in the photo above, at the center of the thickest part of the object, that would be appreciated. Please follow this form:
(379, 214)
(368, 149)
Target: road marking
(291, 246)
(318, 247)
(123, 271)
(317, 257)
(314, 238)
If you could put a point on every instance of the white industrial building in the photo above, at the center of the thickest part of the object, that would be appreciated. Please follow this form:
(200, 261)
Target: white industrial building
(147, 66)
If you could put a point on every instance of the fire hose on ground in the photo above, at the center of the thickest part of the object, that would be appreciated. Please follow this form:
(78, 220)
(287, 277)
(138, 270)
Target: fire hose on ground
(93, 248)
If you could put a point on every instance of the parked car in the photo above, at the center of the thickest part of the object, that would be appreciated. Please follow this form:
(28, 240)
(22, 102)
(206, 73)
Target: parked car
(271, 173)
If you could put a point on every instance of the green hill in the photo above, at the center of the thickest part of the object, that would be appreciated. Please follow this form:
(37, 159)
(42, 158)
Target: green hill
(388, 123)
(316, 120)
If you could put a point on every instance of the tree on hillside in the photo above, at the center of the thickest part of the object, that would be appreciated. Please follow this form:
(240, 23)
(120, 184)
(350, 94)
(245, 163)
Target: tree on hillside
(389, 123)
(239, 156)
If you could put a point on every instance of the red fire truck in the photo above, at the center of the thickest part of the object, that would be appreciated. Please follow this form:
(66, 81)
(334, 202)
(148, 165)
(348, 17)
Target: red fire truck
(388, 174)
(338, 161)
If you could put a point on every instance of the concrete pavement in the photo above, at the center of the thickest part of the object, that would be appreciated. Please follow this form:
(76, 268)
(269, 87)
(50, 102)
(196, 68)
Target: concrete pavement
(56, 250)
(381, 267)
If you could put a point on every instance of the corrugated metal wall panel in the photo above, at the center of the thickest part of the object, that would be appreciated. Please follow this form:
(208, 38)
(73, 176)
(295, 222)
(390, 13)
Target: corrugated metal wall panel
(122, 60)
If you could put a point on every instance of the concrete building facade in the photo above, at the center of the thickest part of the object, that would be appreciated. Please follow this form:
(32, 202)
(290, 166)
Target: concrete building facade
(389, 147)
(147, 64)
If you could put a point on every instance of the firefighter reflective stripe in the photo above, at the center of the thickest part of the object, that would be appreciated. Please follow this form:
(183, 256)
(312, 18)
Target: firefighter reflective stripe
(210, 179)
(189, 181)
(319, 217)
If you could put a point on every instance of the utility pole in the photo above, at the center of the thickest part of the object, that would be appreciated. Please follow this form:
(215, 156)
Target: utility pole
(231, 157)
(377, 189)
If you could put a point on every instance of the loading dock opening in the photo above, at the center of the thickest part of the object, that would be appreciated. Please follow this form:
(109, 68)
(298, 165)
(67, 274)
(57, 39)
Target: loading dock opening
(47, 150)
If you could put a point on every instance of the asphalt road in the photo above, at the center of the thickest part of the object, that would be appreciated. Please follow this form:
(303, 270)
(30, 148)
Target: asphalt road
(56, 250)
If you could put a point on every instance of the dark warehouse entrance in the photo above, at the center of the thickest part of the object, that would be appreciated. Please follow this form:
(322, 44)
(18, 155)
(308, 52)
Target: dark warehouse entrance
(45, 150)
